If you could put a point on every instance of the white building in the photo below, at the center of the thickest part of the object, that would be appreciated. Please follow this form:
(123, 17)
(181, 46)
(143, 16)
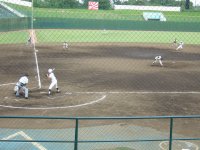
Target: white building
(195, 2)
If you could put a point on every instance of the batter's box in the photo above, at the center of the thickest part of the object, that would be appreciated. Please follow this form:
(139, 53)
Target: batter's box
(39, 99)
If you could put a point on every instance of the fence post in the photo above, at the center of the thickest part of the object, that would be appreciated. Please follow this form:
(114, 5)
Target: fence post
(76, 136)
(171, 132)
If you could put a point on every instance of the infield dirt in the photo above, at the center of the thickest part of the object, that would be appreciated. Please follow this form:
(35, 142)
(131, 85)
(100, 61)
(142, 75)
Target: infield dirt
(103, 79)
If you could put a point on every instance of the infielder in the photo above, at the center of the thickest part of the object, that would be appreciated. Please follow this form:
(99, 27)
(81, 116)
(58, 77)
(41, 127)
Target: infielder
(53, 79)
(65, 45)
(29, 41)
(20, 86)
(180, 46)
(174, 42)
(158, 59)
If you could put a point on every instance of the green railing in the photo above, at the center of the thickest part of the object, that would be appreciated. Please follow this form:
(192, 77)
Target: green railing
(76, 120)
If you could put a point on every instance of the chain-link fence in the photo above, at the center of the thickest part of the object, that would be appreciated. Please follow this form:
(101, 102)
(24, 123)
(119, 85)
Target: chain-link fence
(142, 53)
(51, 133)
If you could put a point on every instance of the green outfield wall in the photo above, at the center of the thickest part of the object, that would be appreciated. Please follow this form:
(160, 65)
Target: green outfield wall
(14, 24)
(97, 24)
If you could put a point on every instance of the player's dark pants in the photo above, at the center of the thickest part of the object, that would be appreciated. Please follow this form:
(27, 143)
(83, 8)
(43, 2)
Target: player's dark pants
(22, 88)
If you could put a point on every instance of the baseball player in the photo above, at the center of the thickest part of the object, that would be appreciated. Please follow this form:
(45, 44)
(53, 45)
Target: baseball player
(159, 59)
(53, 79)
(29, 41)
(65, 45)
(20, 87)
(174, 42)
(180, 46)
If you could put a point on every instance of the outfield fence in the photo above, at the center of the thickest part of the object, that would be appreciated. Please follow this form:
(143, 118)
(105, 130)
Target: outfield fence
(13, 24)
(38, 18)
(80, 133)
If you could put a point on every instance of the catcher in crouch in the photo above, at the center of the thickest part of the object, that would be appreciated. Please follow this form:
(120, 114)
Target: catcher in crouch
(20, 87)
(53, 79)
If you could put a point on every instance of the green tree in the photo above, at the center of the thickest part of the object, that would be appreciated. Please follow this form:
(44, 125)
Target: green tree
(104, 4)
(57, 3)
(70, 4)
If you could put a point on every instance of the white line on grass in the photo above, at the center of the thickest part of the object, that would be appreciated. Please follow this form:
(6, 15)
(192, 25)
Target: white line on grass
(24, 135)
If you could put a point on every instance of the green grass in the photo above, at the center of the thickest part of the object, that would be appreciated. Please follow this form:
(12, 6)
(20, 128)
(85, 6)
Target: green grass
(115, 36)
(55, 36)
(100, 35)
(13, 37)
(113, 14)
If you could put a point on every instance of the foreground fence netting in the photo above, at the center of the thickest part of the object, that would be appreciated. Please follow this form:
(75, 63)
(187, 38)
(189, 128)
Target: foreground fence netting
(49, 28)
(80, 133)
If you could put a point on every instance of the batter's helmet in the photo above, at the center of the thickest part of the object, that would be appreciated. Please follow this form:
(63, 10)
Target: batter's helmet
(50, 70)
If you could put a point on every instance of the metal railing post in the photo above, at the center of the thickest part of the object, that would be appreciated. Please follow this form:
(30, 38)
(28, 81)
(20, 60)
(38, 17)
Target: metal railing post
(171, 134)
(76, 136)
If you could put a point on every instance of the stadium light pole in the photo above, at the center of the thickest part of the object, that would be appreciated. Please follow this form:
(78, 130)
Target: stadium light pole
(35, 51)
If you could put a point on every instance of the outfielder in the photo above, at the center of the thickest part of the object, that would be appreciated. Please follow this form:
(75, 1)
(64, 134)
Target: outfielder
(159, 59)
(53, 79)
(180, 46)
(20, 87)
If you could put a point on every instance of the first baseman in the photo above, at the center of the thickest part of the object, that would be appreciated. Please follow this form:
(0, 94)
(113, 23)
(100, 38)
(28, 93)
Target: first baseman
(53, 79)
(21, 86)
(159, 59)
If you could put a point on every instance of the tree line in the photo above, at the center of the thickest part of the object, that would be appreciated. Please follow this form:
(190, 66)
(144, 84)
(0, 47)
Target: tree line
(106, 5)
(103, 4)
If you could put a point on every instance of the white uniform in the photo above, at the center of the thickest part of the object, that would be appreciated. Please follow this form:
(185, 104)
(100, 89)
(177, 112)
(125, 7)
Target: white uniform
(180, 46)
(21, 86)
(65, 45)
(159, 59)
(53, 79)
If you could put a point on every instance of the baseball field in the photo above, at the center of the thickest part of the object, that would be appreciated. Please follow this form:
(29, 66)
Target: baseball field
(103, 73)
(101, 79)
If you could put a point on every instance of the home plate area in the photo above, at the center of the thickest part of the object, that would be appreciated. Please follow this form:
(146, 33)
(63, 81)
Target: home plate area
(39, 99)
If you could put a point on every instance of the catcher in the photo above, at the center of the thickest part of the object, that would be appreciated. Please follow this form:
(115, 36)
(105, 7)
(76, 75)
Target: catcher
(20, 87)
(53, 79)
